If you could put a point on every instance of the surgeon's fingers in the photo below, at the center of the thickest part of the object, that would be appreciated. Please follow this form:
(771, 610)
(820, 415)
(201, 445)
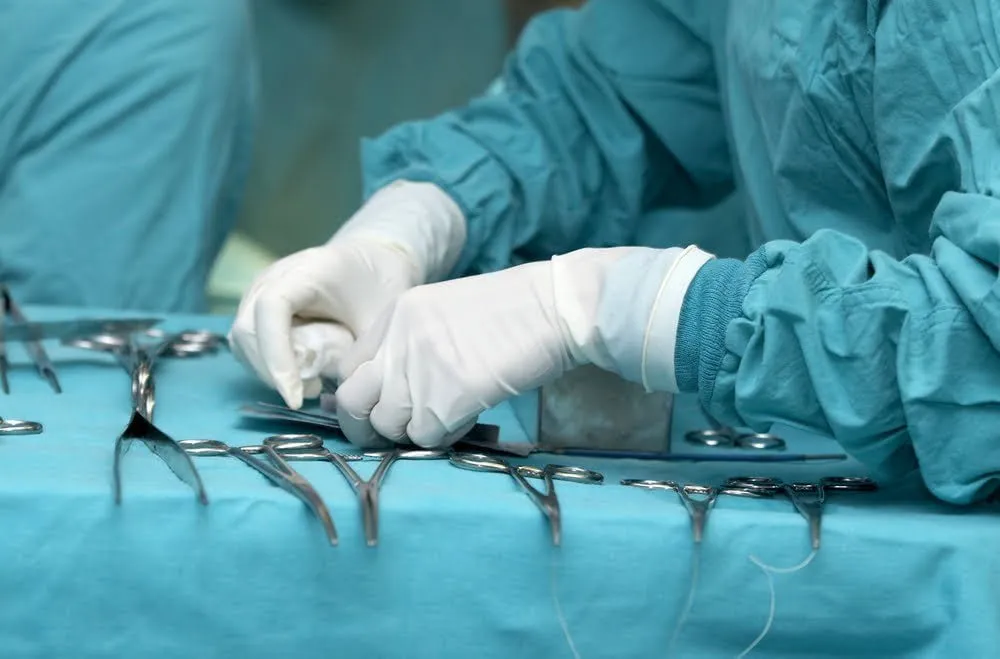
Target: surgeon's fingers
(367, 345)
(392, 413)
(243, 342)
(311, 388)
(450, 438)
(356, 396)
(427, 430)
(239, 339)
(273, 322)
(319, 347)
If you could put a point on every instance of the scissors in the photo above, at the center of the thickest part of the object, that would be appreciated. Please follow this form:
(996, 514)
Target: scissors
(697, 499)
(278, 471)
(138, 358)
(366, 491)
(809, 506)
(546, 501)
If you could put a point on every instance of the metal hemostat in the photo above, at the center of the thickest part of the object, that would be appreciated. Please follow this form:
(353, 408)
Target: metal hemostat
(276, 470)
(366, 491)
(546, 501)
(138, 358)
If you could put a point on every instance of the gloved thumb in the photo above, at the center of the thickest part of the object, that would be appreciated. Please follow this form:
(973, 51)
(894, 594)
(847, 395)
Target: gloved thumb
(316, 348)
(366, 346)
(319, 347)
(453, 437)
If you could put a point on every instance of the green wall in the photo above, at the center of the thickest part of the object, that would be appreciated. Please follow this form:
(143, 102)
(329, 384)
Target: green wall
(336, 70)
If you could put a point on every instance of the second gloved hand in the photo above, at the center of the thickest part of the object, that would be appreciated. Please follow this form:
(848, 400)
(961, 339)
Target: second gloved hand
(444, 353)
(303, 312)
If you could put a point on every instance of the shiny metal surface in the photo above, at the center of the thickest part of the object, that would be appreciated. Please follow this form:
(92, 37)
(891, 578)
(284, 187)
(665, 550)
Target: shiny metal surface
(139, 428)
(807, 498)
(725, 437)
(138, 357)
(547, 501)
(34, 347)
(17, 427)
(367, 492)
(277, 471)
(698, 500)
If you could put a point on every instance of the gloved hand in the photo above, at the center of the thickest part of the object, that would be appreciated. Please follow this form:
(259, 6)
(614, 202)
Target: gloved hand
(302, 313)
(444, 353)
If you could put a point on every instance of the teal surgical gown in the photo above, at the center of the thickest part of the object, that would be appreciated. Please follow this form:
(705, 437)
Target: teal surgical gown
(862, 138)
(124, 146)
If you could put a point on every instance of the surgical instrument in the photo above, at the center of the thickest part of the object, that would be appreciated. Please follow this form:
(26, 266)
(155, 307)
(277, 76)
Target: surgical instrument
(33, 347)
(546, 501)
(164, 447)
(280, 413)
(723, 436)
(811, 509)
(730, 438)
(278, 472)
(481, 436)
(189, 343)
(697, 499)
(367, 491)
(753, 456)
(16, 427)
(71, 330)
(32, 333)
(138, 359)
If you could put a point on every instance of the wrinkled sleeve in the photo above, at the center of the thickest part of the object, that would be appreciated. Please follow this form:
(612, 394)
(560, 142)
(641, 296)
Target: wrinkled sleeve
(899, 360)
(600, 114)
(125, 144)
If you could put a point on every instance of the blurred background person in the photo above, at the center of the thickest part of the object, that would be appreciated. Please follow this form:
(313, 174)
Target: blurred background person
(125, 144)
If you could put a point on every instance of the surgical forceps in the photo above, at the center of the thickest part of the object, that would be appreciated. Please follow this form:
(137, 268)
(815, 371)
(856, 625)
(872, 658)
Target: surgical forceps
(697, 499)
(138, 359)
(546, 501)
(278, 471)
(34, 348)
(810, 507)
(366, 491)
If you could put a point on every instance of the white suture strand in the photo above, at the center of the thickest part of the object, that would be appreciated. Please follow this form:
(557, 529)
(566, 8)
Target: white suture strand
(689, 603)
(769, 572)
(563, 623)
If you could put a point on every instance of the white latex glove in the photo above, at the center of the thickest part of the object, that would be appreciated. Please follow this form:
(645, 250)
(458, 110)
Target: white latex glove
(444, 353)
(302, 313)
